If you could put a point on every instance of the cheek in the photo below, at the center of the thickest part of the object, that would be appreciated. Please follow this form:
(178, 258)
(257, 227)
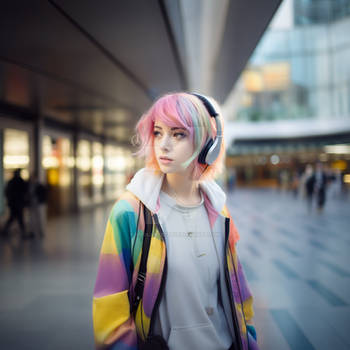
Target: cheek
(190, 145)
(155, 146)
(186, 149)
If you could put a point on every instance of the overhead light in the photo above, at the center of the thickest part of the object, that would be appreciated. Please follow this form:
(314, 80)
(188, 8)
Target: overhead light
(15, 161)
(84, 163)
(347, 178)
(97, 162)
(253, 81)
(50, 162)
(275, 159)
(338, 149)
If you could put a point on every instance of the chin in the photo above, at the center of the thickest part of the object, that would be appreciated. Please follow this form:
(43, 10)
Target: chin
(166, 169)
(172, 170)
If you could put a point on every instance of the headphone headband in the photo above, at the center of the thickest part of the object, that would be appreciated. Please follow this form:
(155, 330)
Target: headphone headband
(209, 107)
(211, 149)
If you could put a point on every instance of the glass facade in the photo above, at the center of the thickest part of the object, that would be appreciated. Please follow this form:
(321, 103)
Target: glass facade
(102, 172)
(291, 105)
(320, 11)
(58, 163)
(118, 165)
(16, 153)
(97, 171)
(264, 166)
(299, 73)
(84, 162)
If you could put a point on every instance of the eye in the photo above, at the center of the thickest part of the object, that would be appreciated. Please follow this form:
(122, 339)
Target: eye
(179, 135)
(156, 133)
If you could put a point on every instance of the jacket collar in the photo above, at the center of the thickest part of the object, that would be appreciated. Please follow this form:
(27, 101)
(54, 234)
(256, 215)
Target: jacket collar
(146, 185)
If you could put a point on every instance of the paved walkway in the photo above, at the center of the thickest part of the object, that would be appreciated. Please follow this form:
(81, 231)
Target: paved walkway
(297, 265)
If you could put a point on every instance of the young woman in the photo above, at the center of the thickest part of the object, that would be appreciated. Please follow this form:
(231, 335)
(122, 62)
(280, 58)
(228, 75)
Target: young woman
(185, 288)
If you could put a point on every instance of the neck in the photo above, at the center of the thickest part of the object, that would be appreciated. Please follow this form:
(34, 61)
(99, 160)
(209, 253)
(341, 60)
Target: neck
(182, 188)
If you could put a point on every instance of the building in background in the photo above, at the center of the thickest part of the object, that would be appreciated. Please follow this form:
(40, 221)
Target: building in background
(91, 174)
(292, 101)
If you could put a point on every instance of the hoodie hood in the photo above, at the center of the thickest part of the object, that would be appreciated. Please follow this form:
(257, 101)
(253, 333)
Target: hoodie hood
(146, 185)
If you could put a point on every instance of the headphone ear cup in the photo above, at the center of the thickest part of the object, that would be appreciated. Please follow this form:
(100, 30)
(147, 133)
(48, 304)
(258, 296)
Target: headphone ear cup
(203, 154)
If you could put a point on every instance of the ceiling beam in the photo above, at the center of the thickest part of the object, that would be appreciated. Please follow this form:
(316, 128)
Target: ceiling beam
(105, 52)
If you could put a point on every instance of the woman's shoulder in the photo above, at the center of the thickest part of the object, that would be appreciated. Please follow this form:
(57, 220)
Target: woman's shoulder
(127, 202)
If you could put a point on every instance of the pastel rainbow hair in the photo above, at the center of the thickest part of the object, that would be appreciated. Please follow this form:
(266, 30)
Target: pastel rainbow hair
(180, 110)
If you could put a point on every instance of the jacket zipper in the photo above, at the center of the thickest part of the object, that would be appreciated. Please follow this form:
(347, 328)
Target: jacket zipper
(227, 275)
(162, 283)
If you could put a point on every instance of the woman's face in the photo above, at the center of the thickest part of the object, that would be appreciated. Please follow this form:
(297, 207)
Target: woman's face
(172, 147)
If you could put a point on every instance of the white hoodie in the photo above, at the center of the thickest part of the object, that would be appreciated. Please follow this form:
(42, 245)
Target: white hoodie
(194, 312)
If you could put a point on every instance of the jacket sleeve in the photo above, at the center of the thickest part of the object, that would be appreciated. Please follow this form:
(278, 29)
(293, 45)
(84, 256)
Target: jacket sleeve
(248, 309)
(114, 327)
(247, 298)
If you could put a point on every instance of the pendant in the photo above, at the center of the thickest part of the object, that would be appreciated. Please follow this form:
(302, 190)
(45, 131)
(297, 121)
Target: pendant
(209, 310)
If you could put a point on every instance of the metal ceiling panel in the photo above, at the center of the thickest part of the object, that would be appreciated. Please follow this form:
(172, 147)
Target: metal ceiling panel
(246, 22)
(35, 34)
(134, 32)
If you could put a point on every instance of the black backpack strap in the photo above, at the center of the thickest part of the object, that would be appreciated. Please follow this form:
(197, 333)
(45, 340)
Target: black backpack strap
(140, 282)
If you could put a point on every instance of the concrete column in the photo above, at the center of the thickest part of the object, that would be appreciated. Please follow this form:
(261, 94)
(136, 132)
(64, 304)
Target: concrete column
(103, 141)
(38, 129)
(38, 143)
(75, 171)
(2, 185)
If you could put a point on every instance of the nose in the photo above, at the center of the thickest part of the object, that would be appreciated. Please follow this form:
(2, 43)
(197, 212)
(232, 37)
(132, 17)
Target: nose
(165, 143)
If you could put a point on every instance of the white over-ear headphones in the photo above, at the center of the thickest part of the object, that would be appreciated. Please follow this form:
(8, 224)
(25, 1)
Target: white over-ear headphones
(211, 149)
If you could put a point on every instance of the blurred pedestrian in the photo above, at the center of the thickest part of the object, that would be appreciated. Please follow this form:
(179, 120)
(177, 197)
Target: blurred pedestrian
(317, 183)
(335, 183)
(231, 179)
(294, 186)
(16, 195)
(303, 192)
(37, 196)
(284, 180)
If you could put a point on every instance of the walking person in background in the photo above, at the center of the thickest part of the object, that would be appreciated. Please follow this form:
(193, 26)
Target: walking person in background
(306, 187)
(37, 196)
(295, 183)
(335, 183)
(231, 179)
(16, 195)
(169, 276)
(317, 184)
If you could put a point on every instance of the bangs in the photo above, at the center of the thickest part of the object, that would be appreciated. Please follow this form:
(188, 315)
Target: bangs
(173, 111)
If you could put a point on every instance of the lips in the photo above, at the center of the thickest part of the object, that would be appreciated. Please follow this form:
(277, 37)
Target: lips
(165, 160)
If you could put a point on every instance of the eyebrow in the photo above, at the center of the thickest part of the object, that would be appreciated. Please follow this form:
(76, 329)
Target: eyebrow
(175, 128)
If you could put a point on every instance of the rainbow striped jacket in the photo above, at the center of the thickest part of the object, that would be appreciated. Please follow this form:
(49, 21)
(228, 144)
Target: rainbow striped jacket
(115, 327)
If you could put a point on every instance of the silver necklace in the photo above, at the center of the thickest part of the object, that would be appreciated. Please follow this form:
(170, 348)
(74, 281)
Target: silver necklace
(184, 216)
(174, 194)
